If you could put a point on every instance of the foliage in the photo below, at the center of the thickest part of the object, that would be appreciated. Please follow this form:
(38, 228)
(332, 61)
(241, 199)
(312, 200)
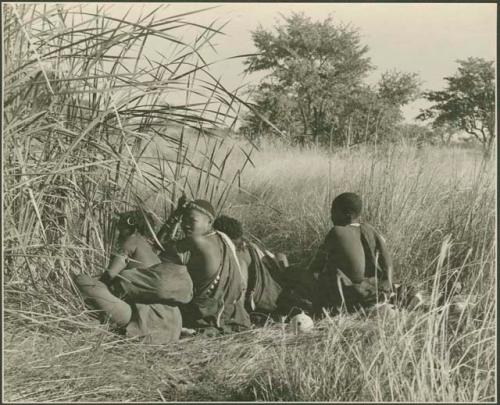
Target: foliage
(313, 66)
(468, 102)
(94, 123)
(315, 90)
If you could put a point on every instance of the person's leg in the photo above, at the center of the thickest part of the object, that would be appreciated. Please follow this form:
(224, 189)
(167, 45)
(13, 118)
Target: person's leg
(156, 323)
(97, 295)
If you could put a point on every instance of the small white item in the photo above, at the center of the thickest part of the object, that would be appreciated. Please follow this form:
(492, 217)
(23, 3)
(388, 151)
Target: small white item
(384, 310)
(301, 323)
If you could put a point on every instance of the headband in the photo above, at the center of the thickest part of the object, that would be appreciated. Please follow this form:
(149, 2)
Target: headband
(195, 206)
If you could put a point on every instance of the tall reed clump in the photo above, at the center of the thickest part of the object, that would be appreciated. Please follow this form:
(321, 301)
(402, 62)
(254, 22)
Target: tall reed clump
(86, 103)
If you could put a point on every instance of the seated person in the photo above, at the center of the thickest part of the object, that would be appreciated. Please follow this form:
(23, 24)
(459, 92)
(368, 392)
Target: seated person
(352, 267)
(261, 269)
(138, 292)
(210, 257)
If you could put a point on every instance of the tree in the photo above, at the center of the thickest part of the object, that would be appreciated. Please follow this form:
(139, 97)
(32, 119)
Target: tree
(314, 67)
(468, 102)
(315, 89)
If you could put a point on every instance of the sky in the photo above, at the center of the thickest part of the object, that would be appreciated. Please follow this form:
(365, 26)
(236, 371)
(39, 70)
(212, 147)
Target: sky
(424, 38)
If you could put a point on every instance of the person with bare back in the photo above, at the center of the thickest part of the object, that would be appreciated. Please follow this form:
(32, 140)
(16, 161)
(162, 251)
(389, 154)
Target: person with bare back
(212, 263)
(353, 267)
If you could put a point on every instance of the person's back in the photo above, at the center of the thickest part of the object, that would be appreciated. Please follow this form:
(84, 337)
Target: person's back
(140, 252)
(351, 253)
(213, 265)
(205, 258)
(346, 251)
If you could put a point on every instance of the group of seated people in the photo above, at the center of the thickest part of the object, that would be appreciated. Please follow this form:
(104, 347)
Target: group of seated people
(200, 273)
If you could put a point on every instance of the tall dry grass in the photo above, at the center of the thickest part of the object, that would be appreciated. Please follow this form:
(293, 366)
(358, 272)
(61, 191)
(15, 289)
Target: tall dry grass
(80, 143)
(436, 209)
(84, 99)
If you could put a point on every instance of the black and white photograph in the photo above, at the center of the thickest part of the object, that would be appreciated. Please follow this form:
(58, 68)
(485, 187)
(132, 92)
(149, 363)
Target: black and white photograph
(249, 202)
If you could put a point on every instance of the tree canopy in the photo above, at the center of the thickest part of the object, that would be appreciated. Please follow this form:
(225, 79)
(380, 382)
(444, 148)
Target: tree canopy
(467, 102)
(315, 88)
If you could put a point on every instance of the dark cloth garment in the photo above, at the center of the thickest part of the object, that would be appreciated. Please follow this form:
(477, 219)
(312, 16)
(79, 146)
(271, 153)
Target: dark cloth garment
(264, 274)
(219, 300)
(296, 291)
(377, 258)
(155, 323)
(163, 283)
(341, 286)
(332, 294)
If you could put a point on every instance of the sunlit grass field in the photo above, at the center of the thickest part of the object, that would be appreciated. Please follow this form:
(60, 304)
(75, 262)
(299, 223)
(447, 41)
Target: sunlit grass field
(436, 208)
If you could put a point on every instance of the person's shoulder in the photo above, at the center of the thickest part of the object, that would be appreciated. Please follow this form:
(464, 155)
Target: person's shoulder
(130, 244)
(335, 233)
(338, 230)
(369, 228)
(203, 242)
(138, 239)
(331, 232)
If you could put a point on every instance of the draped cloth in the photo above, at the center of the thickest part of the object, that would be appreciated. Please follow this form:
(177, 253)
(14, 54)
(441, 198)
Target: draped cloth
(264, 281)
(219, 300)
(163, 283)
(143, 302)
(335, 289)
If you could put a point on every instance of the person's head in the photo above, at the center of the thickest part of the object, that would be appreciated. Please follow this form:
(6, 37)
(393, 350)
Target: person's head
(134, 221)
(346, 208)
(231, 227)
(198, 218)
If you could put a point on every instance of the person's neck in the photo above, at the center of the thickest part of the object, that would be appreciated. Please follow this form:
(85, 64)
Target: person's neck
(210, 232)
(353, 222)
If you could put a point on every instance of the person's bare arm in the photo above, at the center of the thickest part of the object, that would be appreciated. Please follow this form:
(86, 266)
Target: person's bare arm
(164, 235)
(120, 260)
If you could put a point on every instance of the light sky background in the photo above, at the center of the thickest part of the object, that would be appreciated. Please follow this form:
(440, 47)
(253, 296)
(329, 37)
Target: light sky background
(424, 38)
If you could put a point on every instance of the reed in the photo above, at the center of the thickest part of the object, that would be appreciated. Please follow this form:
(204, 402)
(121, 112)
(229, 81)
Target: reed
(90, 127)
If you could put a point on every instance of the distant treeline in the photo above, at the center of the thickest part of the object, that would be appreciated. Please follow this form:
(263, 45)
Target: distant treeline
(315, 91)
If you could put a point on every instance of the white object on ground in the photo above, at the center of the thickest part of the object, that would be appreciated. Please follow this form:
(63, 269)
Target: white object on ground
(188, 332)
(383, 310)
(301, 323)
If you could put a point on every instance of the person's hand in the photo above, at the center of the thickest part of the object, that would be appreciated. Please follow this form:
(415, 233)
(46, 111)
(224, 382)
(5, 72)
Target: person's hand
(181, 204)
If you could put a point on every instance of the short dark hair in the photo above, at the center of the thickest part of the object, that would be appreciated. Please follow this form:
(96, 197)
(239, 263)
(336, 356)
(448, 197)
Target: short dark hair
(230, 226)
(137, 220)
(349, 204)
